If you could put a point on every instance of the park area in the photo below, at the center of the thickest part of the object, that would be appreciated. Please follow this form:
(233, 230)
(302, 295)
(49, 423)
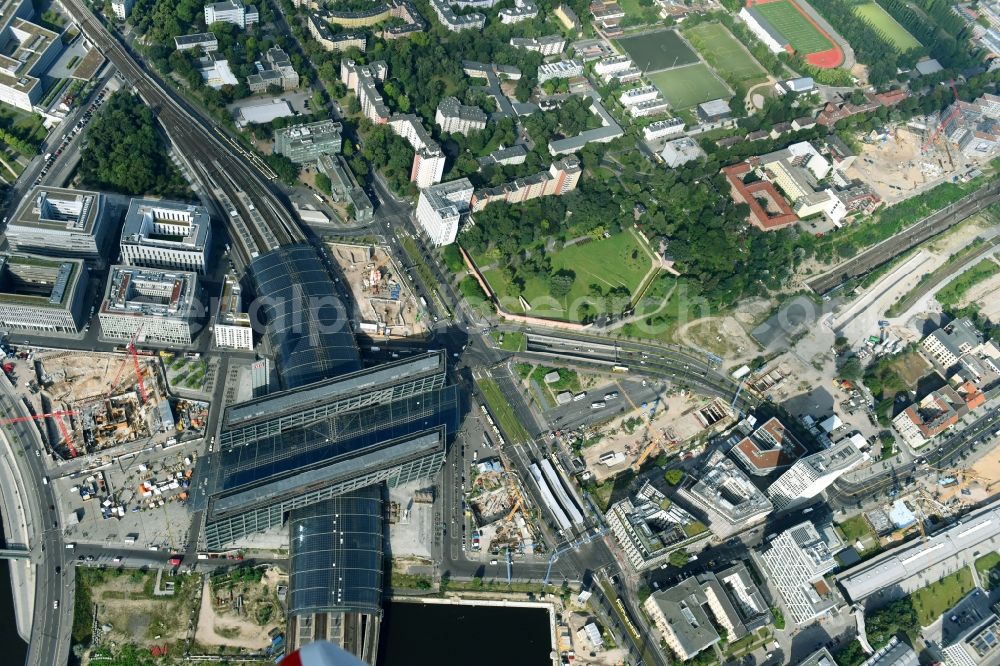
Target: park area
(881, 21)
(653, 51)
(801, 31)
(685, 87)
(622, 260)
(729, 58)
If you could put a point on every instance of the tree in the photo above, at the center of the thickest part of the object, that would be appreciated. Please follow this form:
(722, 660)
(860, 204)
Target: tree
(679, 558)
(561, 283)
(124, 152)
(674, 476)
(323, 183)
(851, 370)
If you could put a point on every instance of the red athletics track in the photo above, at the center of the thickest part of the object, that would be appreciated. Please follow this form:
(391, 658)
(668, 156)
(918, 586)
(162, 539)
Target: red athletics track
(832, 57)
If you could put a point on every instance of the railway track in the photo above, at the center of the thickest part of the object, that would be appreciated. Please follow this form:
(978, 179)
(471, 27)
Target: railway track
(907, 239)
(262, 222)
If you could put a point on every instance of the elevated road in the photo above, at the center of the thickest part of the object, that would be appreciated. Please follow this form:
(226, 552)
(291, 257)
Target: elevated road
(53, 607)
(907, 239)
(256, 213)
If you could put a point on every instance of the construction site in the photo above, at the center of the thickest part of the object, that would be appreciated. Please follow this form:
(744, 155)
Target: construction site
(673, 424)
(91, 403)
(383, 303)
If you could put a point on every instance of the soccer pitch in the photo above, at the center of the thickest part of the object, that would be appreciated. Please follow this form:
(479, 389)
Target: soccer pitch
(884, 23)
(658, 50)
(790, 22)
(724, 53)
(685, 87)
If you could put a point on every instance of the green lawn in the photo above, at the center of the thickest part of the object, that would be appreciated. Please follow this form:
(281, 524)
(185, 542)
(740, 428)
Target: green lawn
(790, 22)
(685, 87)
(856, 527)
(884, 23)
(501, 409)
(987, 566)
(608, 262)
(932, 601)
(718, 46)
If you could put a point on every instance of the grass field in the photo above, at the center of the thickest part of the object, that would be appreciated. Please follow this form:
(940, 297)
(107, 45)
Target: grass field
(685, 87)
(930, 602)
(721, 50)
(790, 22)
(884, 23)
(658, 50)
(987, 566)
(621, 260)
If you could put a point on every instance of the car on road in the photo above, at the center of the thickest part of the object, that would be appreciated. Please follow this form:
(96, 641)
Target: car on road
(55, 605)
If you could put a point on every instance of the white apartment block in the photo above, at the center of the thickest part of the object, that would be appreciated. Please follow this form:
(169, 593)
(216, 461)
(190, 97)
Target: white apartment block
(206, 41)
(231, 11)
(796, 561)
(637, 95)
(453, 117)
(362, 79)
(523, 10)
(811, 475)
(663, 128)
(155, 306)
(563, 69)
(653, 107)
(166, 234)
(428, 158)
(440, 209)
(122, 8)
(458, 22)
(606, 68)
(548, 45)
(232, 325)
(61, 222)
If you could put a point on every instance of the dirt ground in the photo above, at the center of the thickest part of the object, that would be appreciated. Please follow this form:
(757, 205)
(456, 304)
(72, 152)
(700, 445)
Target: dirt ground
(674, 421)
(911, 367)
(81, 376)
(980, 480)
(402, 314)
(217, 626)
(722, 336)
(895, 167)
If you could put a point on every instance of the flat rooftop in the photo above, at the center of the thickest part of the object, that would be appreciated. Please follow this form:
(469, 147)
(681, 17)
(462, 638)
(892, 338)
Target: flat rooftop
(34, 281)
(168, 224)
(231, 303)
(149, 292)
(59, 209)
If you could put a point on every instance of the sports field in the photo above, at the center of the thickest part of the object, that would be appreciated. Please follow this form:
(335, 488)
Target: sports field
(790, 22)
(721, 50)
(884, 23)
(685, 87)
(658, 50)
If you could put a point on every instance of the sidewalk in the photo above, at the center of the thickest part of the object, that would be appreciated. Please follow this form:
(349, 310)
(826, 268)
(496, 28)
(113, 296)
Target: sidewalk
(16, 526)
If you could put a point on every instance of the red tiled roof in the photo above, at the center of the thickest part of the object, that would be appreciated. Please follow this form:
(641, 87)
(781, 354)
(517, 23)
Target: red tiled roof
(746, 194)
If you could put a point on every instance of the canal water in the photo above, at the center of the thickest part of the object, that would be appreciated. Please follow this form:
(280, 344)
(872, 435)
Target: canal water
(446, 635)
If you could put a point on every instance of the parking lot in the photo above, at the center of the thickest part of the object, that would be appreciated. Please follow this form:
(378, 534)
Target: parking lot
(138, 501)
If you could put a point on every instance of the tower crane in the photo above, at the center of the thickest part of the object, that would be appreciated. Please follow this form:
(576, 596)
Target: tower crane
(57, 417)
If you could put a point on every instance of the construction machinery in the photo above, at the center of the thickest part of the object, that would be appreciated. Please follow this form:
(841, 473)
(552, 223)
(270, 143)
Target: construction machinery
(134, 357)
(67, 438)
(944, 123)
(655, 441)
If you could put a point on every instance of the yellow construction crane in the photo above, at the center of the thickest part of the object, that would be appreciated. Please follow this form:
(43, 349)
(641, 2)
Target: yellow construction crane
(654, 439)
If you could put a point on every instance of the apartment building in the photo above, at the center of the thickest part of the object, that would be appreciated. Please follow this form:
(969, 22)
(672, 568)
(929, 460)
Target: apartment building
(548, 45)
(231, 11)
(453, 117)
(945, 346)
(457, 22)
(274, 71)
(362, 80)
(428, 158)
(321, 32)
(637, 95)
(440, 209)
(523, 10)
(166, 234)
(122, 8)
(561, 178)
(796, 562)
(206, 41)
(562, 69)
(663, 128)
